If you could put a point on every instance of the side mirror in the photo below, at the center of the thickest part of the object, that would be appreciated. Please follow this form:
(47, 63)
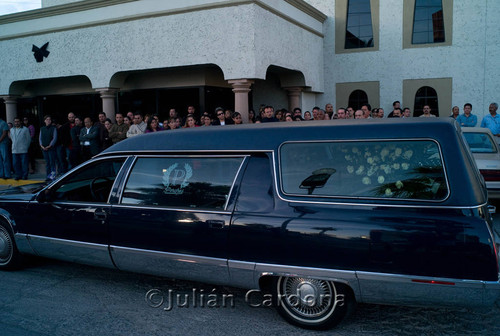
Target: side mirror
(44, 196)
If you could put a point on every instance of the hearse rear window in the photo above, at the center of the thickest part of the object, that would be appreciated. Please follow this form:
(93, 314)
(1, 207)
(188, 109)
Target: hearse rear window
(479, 142)
(407, 169)
(185, 182)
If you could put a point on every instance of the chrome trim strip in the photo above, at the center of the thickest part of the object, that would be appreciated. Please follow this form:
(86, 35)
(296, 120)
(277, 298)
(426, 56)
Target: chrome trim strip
(175, 265)
(71, 250)
(378, 288)
(125, 178)
(347, 277)
(23, 244)
(245, 158)
(242, 274)
(155, 156)
(384, 288)
(179, 152)
(170, 209)
(365, 197)
(92, 204)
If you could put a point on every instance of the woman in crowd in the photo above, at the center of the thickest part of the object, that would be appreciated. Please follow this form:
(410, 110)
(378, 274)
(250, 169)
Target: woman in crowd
(153, 125)
(237, 118)
(251, 116)
(107, 142)
(127, 120)
(279, 115)
(190, 122)
(206, 120)
(307, 115)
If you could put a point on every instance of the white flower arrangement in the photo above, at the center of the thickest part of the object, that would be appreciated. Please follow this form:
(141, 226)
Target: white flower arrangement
(396, 166)
(372, 170)
(360, 170)
(399, 184)
(405, 165)
(388, 192)
(350, 169)
(408, 154)
(381, 179)
(366, 180)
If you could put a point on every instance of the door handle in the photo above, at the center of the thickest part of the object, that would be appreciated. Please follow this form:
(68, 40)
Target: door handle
(100, 214)
(215, 224)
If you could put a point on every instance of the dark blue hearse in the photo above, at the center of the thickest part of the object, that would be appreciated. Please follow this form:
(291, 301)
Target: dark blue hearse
(319, 214)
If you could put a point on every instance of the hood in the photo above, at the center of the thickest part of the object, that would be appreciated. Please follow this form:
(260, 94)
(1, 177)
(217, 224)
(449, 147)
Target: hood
(22, 192)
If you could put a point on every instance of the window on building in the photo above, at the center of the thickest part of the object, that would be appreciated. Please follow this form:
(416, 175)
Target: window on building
(428, 22)
(357, 99)
(359, 29)
(426, 96)
(182, 182)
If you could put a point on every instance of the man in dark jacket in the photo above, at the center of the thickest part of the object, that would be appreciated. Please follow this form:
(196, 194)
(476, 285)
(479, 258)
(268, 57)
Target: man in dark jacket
(89, 140)
(221, 118)
(64, 134)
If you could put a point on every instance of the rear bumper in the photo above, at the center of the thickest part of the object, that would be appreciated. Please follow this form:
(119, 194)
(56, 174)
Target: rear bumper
(423, 291)
(493, 189)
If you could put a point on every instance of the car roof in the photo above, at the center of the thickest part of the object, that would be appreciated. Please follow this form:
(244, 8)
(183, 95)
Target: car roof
(269, 136)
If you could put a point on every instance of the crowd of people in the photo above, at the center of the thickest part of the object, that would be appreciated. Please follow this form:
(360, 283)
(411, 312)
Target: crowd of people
(78, 139)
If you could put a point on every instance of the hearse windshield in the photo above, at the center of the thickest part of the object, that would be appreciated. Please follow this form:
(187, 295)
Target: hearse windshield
(405, 169)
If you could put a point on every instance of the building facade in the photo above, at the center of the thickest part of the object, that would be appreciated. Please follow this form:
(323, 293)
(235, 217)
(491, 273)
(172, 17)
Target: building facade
(148, 55)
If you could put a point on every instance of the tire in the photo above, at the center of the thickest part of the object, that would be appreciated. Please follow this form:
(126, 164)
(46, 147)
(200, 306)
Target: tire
(312, 303)
(9, 255)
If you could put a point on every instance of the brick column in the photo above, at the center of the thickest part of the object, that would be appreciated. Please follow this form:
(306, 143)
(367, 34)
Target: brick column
(294, 95)
(241, 87)
(108, 96)
(10, 108)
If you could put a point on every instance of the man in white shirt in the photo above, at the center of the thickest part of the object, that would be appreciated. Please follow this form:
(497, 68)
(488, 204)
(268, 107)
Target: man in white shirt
(139, 126)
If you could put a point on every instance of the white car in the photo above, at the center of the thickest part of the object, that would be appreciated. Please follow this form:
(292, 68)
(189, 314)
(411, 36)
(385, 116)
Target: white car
(486, 152)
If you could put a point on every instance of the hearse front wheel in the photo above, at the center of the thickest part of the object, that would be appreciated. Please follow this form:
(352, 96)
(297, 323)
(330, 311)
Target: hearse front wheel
(9, 256)
(312, 303)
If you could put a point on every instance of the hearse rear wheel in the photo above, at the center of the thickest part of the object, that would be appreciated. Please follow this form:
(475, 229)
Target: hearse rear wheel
(9, 256)
(312, 303)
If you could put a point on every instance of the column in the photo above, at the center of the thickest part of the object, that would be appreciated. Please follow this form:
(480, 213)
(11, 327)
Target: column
(241, 87)
(294, 94)
(10, 108)
(108, 96)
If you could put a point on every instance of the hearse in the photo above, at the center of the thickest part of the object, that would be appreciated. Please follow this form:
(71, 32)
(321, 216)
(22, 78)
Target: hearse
(319, 215)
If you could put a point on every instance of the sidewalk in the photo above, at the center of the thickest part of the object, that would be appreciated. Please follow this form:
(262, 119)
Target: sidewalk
(37, 177)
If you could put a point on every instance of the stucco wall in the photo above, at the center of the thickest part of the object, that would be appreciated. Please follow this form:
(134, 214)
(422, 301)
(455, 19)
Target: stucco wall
(242, 40)
(48, 3)
(472, 60)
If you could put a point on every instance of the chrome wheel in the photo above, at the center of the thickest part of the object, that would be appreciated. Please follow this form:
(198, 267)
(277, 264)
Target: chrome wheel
(311, 303)
(6, 247)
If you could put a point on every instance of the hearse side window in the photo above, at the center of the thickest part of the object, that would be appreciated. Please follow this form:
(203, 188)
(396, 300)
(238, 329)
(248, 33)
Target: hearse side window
(185, 182)
(406, 169)
(91, 183)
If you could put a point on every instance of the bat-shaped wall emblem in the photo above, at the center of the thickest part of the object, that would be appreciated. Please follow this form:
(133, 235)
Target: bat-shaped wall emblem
(40, 53)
